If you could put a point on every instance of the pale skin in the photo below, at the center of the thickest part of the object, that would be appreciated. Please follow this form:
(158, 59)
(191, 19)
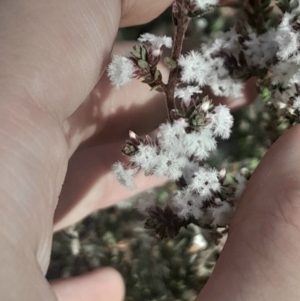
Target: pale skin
(52, 55)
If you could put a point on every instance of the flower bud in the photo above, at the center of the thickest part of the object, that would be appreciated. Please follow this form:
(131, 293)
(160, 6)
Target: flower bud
(198, 121)
(222, 174)
(205, 106)
(129, 149)
(291, 111)
(217, 201)
(281, 105)
(148, 140)
(134, 138)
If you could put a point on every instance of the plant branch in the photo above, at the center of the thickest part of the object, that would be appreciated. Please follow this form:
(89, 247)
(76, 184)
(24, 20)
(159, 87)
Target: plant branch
(182, 24)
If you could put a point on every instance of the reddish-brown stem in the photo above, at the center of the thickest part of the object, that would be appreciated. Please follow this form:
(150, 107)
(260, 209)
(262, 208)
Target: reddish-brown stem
(182, 24)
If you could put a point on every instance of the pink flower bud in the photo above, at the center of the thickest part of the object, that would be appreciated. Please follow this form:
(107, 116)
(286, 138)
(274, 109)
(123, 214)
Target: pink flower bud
(156, 51)
(148, 140)
(208, 121)
(218, 201)
(134, 137)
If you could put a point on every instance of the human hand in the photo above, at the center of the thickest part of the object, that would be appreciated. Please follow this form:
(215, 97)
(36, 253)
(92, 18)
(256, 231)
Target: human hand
(260, 258)
(53, 55)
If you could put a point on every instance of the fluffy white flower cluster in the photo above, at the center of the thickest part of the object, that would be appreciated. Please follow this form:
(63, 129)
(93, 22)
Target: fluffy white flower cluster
(156, 42)
(260, 50)
(281, 43)
(296, 104)
(288, 39)
(143, 61)
(182, 146)
(186, 93)
(204, 187)
(285, 71)
(241, 184)
(120, 71)
(178, 154)
(125, 175)
(171, 155)
(207, 66)
(277, 50)
(190, 204)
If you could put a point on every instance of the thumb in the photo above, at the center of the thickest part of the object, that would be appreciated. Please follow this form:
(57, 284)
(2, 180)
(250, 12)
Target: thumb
(99, 285)
(260, 260)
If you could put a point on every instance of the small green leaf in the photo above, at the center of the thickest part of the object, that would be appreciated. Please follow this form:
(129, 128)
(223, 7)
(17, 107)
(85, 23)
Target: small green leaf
(143, 64)
(136, 54)
(170, 63)
(267, 94)
(158, 88)
(157, 75)
(144, 53)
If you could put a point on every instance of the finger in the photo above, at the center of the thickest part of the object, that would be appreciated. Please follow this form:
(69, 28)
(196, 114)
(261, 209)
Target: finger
(55, 51)
(139, 12)
(260, 260)
(90, 184)
(99, 285)
(52, 56)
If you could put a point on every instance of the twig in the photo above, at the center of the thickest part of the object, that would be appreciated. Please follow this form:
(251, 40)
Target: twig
(182, 24)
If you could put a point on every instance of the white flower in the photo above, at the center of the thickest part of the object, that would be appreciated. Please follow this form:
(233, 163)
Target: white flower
(188, 204)
(288, 40)
(226, 87)
(124, 175)
(200, 144)
(146, 158)
(280, 98)
(207, 141)
(156, 42)
(241, 185)
(205, 182)
(260, 49)
(186, 93)
(194, 68)
(204, 4)
(224, 41)
(221, 215)
(189, 170)
(170, 137)
(296, 76)
(296, 103)
(120, 71)
(229, 40)
(281, 105)
(222, 121)
(168, 164)
(215, 73)
(200, 241)
(284, 73)
(194, 146)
